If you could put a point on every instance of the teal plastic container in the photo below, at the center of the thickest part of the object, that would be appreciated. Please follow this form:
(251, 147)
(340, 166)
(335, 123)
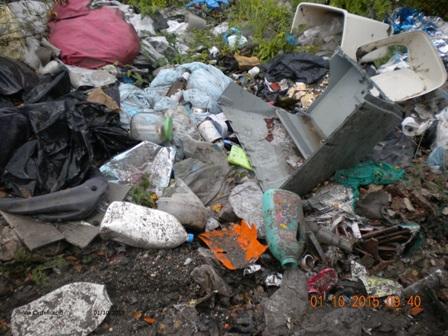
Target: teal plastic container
(282, 212)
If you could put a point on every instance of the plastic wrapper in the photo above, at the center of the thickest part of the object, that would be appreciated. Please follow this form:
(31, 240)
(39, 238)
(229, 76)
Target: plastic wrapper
(72, 309)
(146, 158)
(246, 200)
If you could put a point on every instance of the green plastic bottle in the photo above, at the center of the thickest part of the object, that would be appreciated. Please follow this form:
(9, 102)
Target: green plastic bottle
(282, 213)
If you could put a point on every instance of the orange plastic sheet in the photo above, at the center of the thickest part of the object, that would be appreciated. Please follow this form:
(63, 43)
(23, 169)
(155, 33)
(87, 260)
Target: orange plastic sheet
(236, 247)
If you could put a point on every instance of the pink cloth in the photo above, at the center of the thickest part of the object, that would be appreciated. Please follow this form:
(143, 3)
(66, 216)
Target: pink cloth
(92, 38)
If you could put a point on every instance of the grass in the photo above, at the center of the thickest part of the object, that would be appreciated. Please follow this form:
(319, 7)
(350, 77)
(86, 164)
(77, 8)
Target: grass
(26, 263)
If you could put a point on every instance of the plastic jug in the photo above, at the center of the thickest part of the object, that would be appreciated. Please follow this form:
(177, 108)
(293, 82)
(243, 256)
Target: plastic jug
(139, 226)
(282, 214)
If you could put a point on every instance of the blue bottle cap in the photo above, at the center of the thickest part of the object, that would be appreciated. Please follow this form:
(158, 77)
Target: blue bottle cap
(190, 237)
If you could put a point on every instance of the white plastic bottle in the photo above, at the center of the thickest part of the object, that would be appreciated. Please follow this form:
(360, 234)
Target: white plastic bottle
(139, 226)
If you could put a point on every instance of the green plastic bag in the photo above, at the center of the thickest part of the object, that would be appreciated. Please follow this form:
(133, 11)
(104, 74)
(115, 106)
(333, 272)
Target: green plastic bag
(367, 173)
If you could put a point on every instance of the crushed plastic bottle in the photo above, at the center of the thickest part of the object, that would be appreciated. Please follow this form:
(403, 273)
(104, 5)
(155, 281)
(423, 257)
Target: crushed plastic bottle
(282, 214)
(139, 226)
(152, 127)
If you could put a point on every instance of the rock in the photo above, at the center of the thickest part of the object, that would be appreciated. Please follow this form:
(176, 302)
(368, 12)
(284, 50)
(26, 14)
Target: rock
(285, 308)
(9, 243)
(74, 309)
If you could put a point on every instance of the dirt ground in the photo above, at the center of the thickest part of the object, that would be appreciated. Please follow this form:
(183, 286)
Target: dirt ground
(157, 286)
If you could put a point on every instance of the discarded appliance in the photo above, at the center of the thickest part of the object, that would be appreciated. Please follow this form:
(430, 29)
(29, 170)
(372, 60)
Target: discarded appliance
(356, 30)
(332, 139)
(426, 71)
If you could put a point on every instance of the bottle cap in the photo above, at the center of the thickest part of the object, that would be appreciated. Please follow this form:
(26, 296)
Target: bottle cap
(190, 237)
(167, 130)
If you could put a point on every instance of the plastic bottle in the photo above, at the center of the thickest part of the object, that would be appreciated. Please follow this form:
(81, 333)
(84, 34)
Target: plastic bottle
(139, 226)
(152, 127)
(282, 214)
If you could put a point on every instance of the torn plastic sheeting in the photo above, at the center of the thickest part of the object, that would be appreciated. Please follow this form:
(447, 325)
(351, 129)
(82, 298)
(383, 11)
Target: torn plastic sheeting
(50, 86)
(89, 77)
(143, 227)
(70, 204)
(298, 67)
(144, 159)
(85, 43)
(246, 200)
(235, 247)
(15, 131)
(438, 159)
(322, 282)
(197, 175)
(68, 310)
(15, 77)
(205, 78)
(367, 173)
(71, 136)
(189, 211)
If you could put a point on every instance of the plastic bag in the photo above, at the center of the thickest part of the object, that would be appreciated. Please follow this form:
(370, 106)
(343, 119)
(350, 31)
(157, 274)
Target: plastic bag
(92, 38)
(15, 77)
(71, 135)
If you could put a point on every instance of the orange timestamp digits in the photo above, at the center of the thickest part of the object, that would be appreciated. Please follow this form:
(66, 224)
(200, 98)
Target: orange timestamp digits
(366, 301)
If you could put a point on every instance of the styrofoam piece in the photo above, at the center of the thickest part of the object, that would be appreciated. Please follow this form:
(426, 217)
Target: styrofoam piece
(74, 309)
(426, 71)
(357, 30)
(139, 226)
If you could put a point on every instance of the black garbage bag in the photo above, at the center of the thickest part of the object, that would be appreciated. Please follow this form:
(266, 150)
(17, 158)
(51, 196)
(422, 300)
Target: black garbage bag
(14, 130)
(68, 204)
(49, 87)
(69, 137)
(299, 67)
(15, 77)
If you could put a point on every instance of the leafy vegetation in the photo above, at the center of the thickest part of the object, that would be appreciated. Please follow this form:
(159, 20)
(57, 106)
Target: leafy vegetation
(141, 194)
(34, 266)
(148, 7)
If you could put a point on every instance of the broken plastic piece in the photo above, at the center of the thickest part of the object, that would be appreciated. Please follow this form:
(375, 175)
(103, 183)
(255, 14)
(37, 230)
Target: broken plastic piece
(426, 71)
(238, 156)
(356, 30)
(74, 309)
(236, 247)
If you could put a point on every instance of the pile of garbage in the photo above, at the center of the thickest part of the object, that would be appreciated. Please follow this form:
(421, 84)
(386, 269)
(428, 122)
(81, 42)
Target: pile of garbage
(304, 171)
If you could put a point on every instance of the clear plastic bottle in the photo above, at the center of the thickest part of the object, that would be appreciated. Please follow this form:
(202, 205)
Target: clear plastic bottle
(152, 127)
